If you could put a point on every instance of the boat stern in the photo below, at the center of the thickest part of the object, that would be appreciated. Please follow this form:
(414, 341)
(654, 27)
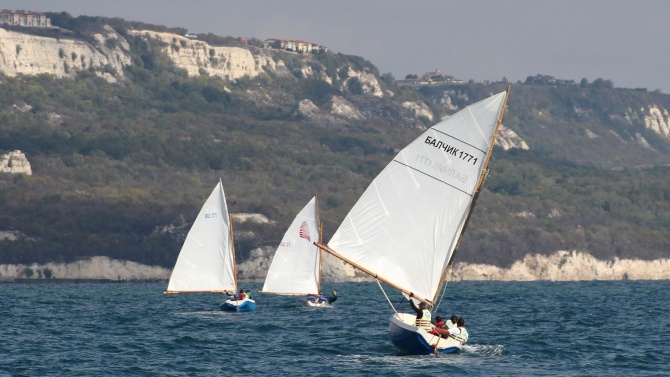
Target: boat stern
(245, 305)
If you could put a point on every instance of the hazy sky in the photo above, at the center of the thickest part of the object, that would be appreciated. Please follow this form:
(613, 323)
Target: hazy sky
(625, 41)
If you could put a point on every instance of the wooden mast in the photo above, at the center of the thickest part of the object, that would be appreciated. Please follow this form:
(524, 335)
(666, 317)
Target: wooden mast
(232, 245)
(320, 230)
(480, 183)
(232, 242)
(183, 292)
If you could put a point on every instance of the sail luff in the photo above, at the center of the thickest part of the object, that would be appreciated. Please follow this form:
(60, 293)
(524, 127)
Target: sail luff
(495, 133)
(480, 184)
(285, 293)
(483, 175)
(185, 292)
(232, 245)
(231, 266)
(318, 221)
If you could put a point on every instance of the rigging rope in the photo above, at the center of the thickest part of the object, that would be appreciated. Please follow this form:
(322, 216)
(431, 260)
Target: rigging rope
(385, 295)
(444, 290)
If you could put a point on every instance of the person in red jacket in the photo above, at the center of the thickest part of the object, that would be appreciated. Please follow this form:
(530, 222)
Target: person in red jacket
(439, 323)
(238, 296)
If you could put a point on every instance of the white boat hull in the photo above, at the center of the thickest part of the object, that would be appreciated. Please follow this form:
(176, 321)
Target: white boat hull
(315, 304)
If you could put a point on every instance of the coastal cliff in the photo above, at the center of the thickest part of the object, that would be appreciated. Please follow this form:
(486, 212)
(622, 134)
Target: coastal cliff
(561, 266)
(28, 54)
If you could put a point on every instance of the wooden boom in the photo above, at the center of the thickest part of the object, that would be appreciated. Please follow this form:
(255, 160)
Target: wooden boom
(180, 292)
(374, 275)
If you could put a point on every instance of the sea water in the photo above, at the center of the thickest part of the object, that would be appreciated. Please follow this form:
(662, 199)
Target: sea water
(594, 328)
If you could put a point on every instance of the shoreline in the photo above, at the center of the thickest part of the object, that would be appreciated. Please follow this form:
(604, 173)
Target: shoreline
(560, 266)
(74, 281)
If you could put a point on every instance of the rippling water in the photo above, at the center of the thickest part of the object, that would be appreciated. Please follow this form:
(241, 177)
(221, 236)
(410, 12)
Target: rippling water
(538, 328)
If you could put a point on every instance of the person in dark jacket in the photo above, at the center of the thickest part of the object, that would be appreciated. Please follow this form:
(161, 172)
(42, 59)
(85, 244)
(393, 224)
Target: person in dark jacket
(423, 315)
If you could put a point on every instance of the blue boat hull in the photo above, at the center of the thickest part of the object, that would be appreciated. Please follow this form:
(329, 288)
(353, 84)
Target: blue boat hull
(245, 305)
(415, 341)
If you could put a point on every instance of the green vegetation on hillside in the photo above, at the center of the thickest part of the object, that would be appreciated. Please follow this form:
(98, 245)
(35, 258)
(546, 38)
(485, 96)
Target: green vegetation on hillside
(532, 205)
(122, 169)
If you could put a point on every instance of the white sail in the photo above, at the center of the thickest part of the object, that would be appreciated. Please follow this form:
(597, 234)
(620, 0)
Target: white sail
(206, 262)
(405, 226)
(296, 266)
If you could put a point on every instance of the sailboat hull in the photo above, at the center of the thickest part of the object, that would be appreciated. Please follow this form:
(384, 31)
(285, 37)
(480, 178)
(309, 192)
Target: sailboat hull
(245, 305)
(416, 341)
(315, 304)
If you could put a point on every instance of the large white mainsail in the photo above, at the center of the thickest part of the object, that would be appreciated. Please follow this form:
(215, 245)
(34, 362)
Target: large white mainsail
(206, 261)
(405, 226)
(296, 266)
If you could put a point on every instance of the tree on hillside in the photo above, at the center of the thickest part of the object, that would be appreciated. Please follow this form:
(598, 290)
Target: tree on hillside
(600, 83)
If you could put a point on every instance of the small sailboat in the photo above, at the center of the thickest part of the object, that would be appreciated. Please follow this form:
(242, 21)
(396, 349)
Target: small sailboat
(406, 226)
(206, 262)
(296, 265)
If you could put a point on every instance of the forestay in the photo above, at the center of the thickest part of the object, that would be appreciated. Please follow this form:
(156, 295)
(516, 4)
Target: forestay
(295, 267)
(206, 262)
(405, 226)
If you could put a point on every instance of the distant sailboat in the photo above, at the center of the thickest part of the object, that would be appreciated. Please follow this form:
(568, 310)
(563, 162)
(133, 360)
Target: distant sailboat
(406, 226)
(296, 265)
(206, 262)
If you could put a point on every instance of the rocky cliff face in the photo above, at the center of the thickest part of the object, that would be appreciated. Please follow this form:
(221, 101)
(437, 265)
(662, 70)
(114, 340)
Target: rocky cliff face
(654, 117)
(658, 120)
(508, 139)
(228, 63)
(231, 63)
(562, 266)
(94, 268)
(107, 56)
(33, 55)
(15, 162)
(566, 266)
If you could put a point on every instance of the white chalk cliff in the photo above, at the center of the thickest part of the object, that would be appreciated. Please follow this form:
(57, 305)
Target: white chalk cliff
(33, 55)
(566, 266)
(419, 109)
(15, 162)
(658, 120)
(109, 53)
(94, 268)
(228, 63)
(561, 266)
(231, 63)
(654, 118)
(508, 139)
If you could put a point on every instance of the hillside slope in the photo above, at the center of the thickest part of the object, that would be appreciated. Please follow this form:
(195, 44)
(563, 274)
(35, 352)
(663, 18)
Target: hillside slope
(122, 156)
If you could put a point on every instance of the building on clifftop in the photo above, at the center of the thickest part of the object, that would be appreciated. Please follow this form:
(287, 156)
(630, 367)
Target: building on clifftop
(24, 18)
